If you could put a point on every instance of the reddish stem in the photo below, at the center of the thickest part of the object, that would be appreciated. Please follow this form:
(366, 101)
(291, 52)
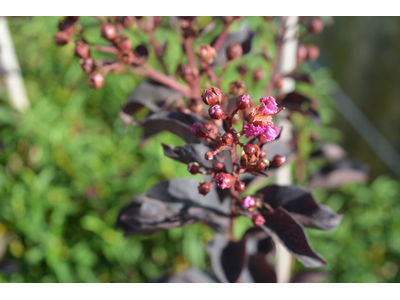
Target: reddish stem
(221, 38)
(195, 86)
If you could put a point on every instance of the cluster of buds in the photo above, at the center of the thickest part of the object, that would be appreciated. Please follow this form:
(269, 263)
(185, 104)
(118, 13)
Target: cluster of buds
(253, 159)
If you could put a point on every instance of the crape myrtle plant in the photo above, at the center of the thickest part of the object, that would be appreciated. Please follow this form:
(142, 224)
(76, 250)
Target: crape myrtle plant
(231, 137)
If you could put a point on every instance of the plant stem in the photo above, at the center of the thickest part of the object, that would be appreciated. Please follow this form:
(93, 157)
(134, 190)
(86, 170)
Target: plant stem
(195, 86)
(221, 38)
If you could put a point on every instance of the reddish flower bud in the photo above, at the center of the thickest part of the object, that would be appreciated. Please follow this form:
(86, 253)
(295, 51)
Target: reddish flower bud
(216, 112)
(220, 141)
(249, 149)
(227, 138)
(234, 51)
(62, 38)
(217, 167)
(199, 130)
(204, 188)
(206, 53)
(249, 202)
(108, 31)
(209, 156)
(194, 168)
(302, 51)
(263, 154)
(313, 52)
(82, 50)
(258, 220)
(316, 25)
(96, 80)
(186, 73)
(72, 19)
(258, 74)
(209, 97)
(224, 180)
(88, 65)
(278, 160)
(67, 27)
(261, 165)
(278, 82)
(242, 69)
(237, 87)
(126, 57)
(240, 186)
(123, 43)
(218, 93)
(243, 101)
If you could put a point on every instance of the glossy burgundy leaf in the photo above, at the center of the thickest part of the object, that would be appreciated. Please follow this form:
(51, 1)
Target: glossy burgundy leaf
(150, 94)
(260, 270)
(303, 77)
(227, 258)
(178, 123)
(329, 151)
(309, 276)
(256, 172)
(334, 175)
(280, 225)
(170, 204)
(301, 204)
(297, 102)
(189, 153)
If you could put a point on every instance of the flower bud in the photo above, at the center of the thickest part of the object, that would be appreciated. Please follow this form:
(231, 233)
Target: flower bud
(96, 80)
(88, 65)
(258, 220)
(263, 154)
(123, 43)
(261, 165)
(217, 167)
(227, 138)
(237, 87)
(126, 57)
(313, 52)
(234, 51)
(278, 82)
(249, 202)
(278, 160)
(72, 19)
(249, 149)
(82, 50)
(206, 53)
(108, 31)
(302, 51)
(204, 188)
(258, 74)
(216, 112)
(199, 130)
(224, 180)
(240, 186)
(62, 38)
(242, 69)
(194, 168)
(218, 93)
(187, 74)
(209, 97)
(243, 101)
(66, 26)
(209, 156)
(316, 26)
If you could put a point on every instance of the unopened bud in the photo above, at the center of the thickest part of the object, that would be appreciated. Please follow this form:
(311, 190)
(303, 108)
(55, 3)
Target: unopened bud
(206, 53)
(194, 168)
(108, 31)
(216, 112)
(204, 188)
(62, 38)
(278, 160)
(243, 101)
(82, 50)
(217, 167)
(258, 220)
(96, 80)
(316, 26)
(313, 52)
(209, 156)
(258, 74)
(227, 138)
(88, 65)
(234, 51)
(199, 130)
(237, 87)
(240, 186)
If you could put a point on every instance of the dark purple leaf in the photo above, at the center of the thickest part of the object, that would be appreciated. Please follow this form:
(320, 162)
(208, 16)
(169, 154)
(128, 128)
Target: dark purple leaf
(150, 94)
(178, 123)
(304, 77)
(256, 172)
(189, 153)
(297, 102)
(243, 36)
(329, 151)
(227, 258)
(309, 277)
(335, 175)
(300, 203)
(9, 267)
(280, 225)
(189, 275)
(260, 270)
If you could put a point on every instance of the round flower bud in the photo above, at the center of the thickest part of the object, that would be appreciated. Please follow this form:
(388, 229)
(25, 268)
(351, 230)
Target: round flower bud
(227, 138)
(278, 160)
(224, 180)
(123, 43)
(88, 65)
(194, 168)
(261, 165)
(243, 101)
(313, 52)
(220, 141)
(249, 202)
(216, 112)
(108, 31)
(126, 57)
(66, 26)
(209, 155)
(82, 50)
(258, 220)
(278, 82)
(199, 130)
(263, 154)
(234, 51)
(217, 167)
(240, 186)
(237, 87)
(206, 53)
(242, 69)
(249, 149)
(62, 38)
(209, 97)
(316, 25)
(258, 74)
(96, 80)
(204, 188)
(302, 51)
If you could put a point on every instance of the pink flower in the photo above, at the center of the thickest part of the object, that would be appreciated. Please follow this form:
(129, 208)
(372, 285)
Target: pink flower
(270, 132)
(270, 107)
(223, 180)
(252, 130)
(258, 220)
(248, 202)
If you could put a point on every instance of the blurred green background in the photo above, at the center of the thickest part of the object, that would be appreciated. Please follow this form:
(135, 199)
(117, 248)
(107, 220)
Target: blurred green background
(67, 166)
